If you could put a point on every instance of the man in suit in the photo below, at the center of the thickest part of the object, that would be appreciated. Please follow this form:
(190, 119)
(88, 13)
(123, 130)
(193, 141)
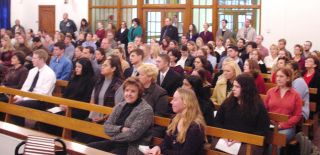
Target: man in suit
(167, 78)
(136, 59)
(169, 31)
(224, 32)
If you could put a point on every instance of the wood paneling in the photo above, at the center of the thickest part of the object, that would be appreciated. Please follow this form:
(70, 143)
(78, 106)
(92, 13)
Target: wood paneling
(47, 18)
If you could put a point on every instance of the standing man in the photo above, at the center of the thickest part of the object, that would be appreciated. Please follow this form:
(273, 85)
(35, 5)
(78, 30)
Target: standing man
(67, 25)
(306, 49)
(247, 32)
(169, 30)
(263, 51)
(224, 32)
(17, 27)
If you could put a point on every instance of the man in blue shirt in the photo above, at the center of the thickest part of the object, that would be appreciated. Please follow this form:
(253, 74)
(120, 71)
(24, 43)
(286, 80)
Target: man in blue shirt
(61, 65)
(69, 51)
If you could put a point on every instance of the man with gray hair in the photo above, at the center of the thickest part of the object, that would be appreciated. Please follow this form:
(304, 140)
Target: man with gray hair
(67, 25)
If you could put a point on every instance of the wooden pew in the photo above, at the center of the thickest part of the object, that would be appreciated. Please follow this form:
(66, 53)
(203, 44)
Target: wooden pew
(96, 129)
(269, 85)
(266, 77)
(313, 122)
(59, 86)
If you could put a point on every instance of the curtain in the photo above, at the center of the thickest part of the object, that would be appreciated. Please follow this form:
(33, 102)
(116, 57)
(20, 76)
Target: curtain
(5, 14)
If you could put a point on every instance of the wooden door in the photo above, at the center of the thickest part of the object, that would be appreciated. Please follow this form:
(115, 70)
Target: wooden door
(153, 21)
(47, 18)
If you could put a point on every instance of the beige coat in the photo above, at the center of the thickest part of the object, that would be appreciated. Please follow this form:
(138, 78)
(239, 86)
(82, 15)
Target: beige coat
(220, 92)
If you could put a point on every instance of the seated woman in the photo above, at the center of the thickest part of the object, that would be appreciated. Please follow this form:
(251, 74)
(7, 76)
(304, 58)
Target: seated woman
(79, 89)
(254, 55)
(76, 56)
(251, 67)
(129, 123)
(200, 62)
(271, 59)
(6, 52)
(283, 99)
(120, 53)
(201, 73)
(175, 56)
(80, 86)
(312, 75)
(224, 84)
(154, 94)
(100, 56)
(243, 111)
(186, 132)
(206, 106)
(298, 56)
(301, 87)
(281, 63)
(105, 88)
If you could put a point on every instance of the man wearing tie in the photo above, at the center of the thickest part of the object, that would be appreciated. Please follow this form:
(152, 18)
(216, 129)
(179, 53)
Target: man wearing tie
(247, 32)
(169, 31)
(41, 80)
(167, 78)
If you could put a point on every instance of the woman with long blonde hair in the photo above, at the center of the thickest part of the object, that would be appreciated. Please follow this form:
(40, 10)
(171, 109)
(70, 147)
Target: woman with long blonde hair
(186, 132)
(6, 51)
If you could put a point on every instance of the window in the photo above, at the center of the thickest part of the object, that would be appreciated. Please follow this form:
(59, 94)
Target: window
(164, 1)
(202, 2)
(239, 2)
(104, 2)
(129, 2)
(200, 16)
(103, 15)
(128, 14)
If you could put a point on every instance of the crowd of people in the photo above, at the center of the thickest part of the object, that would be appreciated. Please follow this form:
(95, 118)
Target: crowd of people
(117, 68)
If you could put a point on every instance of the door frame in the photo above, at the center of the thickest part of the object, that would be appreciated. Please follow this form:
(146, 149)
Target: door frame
(164, 13)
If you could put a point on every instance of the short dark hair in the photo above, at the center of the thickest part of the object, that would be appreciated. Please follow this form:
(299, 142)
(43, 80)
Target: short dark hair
(60, 45)
(20, 56)
(184, 48)
(136, 20)
(283, 40)
(91, 49)
(252, 44)
(176, 53)
(225, 20)
(138, 51)
(233, 47)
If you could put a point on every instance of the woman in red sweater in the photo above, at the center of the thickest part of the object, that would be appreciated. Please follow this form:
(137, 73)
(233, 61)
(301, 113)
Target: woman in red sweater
(252, 67)
(283, 99)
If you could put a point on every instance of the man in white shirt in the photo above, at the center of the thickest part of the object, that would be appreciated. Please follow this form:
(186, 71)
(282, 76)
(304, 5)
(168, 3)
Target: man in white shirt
(41, 80)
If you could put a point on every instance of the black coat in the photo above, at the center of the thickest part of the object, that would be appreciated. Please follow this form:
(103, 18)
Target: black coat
(171, 82)
(315, 83)
(172, 33)
(122, 37)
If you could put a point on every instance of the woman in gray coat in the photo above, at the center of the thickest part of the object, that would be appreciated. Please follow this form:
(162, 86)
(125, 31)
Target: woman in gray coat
(130, 122)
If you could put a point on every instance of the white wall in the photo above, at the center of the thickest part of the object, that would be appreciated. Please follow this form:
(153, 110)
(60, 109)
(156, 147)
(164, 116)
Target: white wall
(295, 20)
(28, 11)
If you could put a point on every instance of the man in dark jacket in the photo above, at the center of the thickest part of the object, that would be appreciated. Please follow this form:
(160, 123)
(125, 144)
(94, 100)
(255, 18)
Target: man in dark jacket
(67, 25)
(169, 31)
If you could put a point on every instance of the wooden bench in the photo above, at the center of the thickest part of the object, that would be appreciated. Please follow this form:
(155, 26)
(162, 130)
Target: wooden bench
(269, 85)
(68, 123)
(59, 86)
(266, 77)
